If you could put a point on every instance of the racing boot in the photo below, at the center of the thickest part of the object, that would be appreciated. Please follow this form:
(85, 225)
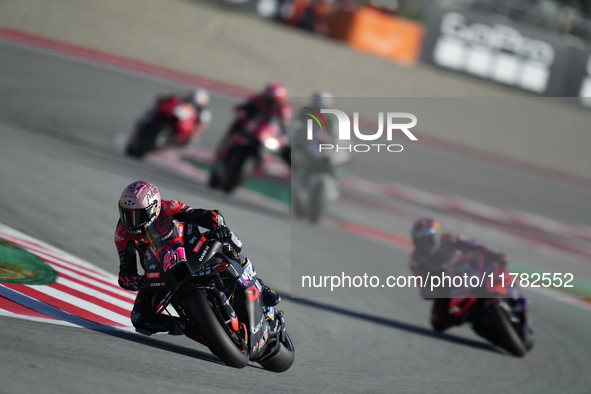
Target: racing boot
(270, 297)
(178, 328)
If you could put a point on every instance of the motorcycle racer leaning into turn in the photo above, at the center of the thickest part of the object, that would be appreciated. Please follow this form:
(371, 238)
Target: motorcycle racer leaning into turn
(433, 251)
(272, 103)
(139, 205)
(197, 100)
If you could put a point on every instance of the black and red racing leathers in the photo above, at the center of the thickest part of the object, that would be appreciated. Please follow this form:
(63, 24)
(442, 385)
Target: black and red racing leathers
(142, 316)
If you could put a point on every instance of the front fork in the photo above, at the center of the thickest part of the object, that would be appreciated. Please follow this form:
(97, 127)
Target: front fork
(275, 319)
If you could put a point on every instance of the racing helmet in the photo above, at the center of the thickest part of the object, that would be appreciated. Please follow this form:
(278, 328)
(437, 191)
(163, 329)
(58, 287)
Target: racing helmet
(199, 97)
(322, 99)
(426, 236)
(139, 205)
(275, 93)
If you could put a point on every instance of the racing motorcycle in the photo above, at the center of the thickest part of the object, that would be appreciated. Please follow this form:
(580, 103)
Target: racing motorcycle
(497, 313)
(219, 298)
(242, 151)
(314, 180)
(172, 122)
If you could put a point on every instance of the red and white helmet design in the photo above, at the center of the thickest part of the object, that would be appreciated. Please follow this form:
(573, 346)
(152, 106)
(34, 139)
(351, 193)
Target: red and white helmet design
(199, 97)
(276, 92)
(139, 205)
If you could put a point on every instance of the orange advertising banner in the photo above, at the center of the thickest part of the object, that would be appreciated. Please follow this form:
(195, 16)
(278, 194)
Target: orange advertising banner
(380, 33)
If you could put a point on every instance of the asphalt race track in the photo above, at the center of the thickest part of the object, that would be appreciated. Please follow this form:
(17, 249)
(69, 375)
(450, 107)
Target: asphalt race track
(61, 172)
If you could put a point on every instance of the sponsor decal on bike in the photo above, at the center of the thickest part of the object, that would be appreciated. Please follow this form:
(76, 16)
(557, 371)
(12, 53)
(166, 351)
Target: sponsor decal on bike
(264, 338)
(271, 313)
(212, 270)
(204, 253)
(198, 246)
(157, 284)
(253, 294)
(172, 257)
(153, 275)
(259, 345)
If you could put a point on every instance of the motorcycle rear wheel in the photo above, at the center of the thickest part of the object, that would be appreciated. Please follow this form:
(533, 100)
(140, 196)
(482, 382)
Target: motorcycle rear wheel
(212, 328)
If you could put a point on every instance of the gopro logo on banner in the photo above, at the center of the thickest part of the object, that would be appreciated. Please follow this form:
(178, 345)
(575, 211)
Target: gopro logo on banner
(344, 130)
(500, 53)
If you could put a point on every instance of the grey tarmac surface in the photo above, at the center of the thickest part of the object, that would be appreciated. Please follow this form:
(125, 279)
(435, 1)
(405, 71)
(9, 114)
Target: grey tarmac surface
(61, 175)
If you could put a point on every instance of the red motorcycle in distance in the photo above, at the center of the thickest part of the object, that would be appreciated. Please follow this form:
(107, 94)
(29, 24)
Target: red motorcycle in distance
(172, 122)
(242, 152)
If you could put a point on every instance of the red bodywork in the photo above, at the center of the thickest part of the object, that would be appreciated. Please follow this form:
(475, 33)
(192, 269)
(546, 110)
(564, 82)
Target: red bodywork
(182, 115)
(464, 303)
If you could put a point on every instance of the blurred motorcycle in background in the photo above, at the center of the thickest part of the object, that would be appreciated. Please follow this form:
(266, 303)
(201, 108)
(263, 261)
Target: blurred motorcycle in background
(242, 152)
(174, 121)
(496, 309)
(314, 179)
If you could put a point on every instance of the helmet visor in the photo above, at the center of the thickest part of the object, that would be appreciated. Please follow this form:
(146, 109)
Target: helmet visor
(424, 244)
(132, 218)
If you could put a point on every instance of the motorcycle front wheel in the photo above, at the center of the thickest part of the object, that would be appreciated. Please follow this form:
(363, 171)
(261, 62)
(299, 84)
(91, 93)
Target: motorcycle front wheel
(155, 135)
(503, 330)
(240, 165)
(282, 359)
(215, 331)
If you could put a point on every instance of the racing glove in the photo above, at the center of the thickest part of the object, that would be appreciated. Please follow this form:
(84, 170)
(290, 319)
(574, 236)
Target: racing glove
(134, 283)
(221, 234)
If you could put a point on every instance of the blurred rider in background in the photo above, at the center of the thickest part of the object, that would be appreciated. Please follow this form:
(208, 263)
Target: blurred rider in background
(197, 99)
(307, 151)
(319, 100)
(272, 103)
(433, 252)
(139, 205)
